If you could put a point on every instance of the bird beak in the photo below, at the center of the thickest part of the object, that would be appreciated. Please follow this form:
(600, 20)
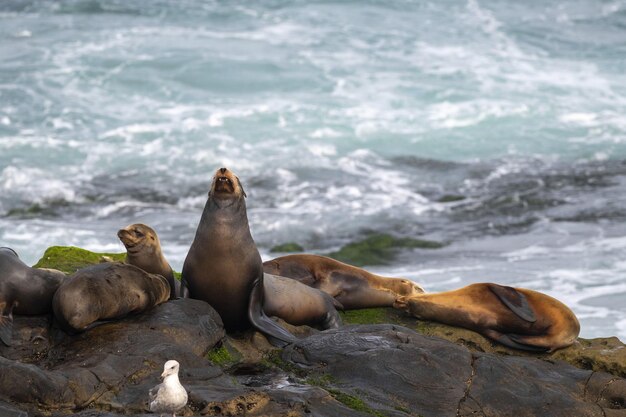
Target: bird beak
(163, 375)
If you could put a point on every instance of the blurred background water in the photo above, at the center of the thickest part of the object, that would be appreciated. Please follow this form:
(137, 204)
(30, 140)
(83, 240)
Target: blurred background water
(341, 118)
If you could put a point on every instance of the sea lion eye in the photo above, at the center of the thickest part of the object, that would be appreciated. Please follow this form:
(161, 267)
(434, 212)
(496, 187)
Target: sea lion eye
(139, 234)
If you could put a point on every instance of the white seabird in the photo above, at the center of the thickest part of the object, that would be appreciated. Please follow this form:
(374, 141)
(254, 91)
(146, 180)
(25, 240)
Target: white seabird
(169, 396)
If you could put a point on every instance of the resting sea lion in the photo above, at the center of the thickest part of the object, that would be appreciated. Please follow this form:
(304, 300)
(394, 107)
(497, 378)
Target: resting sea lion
(23, 290)
(299, 304)
(143, 249)
(106, 291)
(223, 266)
(353, 287)
(516, 317)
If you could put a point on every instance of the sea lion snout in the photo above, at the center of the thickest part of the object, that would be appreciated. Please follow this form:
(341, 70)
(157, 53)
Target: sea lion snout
(225, 182)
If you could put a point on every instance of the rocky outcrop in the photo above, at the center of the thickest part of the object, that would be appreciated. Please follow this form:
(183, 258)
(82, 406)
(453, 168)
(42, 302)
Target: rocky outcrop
(405, 368)
(600, 354)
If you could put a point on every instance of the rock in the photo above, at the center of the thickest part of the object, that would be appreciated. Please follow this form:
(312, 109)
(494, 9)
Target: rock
(364, 370)
(70, 259)
(110, 366)
(601, 354)
(378, 249)
(393, 370)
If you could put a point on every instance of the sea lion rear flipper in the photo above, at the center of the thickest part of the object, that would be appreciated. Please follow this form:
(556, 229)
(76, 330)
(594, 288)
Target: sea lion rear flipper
(6, 328)
(509, 341)
(514, 300)
(276, 334)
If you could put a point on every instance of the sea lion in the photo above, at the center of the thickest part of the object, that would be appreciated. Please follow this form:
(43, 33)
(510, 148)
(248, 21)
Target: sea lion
(23, 290)
(353, 287)
(516, 317)
(106, 291)
(299, 304)
(143, 249)
(223, 266)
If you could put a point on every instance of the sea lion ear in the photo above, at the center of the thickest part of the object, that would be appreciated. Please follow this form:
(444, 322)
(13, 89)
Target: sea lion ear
(241, 186)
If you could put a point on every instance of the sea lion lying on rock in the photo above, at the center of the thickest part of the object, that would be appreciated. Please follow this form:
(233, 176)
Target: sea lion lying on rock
(23, 290)
(106, 291)
(353, 287)
(516, 317)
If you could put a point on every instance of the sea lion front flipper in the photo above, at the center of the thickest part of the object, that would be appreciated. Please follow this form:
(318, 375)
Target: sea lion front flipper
(276, 334)
(6, 327)
(514, 300)
(183, 291)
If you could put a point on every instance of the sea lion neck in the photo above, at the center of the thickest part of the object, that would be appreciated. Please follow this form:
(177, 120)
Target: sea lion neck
(226, 208)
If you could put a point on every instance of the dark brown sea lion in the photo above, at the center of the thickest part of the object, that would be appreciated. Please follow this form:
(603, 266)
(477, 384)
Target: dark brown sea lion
(516, 317)
(23, 290)
(223, 266)
(143, 249)
(353, 287)
(106, 291)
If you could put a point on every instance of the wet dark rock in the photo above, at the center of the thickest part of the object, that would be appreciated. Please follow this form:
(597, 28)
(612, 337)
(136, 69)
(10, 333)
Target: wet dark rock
(395, 371)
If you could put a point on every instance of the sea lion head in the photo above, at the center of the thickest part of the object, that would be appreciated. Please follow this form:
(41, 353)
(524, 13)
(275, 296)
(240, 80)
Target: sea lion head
(408, 288)
(138, 237)
(226, 185)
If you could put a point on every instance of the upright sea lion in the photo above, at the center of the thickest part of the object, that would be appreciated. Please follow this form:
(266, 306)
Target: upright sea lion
(353, 287)
(143, 249)
(223, 266)
(106, 291)
(516, 317)
(23, 290)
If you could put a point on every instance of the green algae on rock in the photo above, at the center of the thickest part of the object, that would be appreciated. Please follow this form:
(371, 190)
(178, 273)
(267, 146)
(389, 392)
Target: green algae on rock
(379, 249)
(287, 248)
(70, 259)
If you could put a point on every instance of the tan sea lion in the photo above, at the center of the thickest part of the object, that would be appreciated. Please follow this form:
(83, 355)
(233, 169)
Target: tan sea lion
(23, 290)
(353, 287)
(299, 304)
(143, 249)
(516, 317)
(106, 291)
(223, 266)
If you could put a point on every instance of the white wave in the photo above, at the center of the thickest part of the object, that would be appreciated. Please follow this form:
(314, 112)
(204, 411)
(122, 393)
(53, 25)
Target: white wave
(35, 185)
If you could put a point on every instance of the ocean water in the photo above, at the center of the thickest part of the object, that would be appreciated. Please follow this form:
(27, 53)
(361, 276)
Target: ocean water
(340, 118)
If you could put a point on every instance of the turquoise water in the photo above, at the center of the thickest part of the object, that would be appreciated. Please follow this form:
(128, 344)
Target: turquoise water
(340, 118)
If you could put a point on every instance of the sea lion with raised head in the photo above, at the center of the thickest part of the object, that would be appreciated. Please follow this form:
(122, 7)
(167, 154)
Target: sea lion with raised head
(143, 249)
(353, 287)
(106, 291)
(516, 317)
(23, 290)
(223, 266)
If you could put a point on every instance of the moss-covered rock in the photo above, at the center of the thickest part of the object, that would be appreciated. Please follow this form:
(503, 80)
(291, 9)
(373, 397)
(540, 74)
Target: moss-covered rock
(379, 249)
(287, 248)
(70, 259)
